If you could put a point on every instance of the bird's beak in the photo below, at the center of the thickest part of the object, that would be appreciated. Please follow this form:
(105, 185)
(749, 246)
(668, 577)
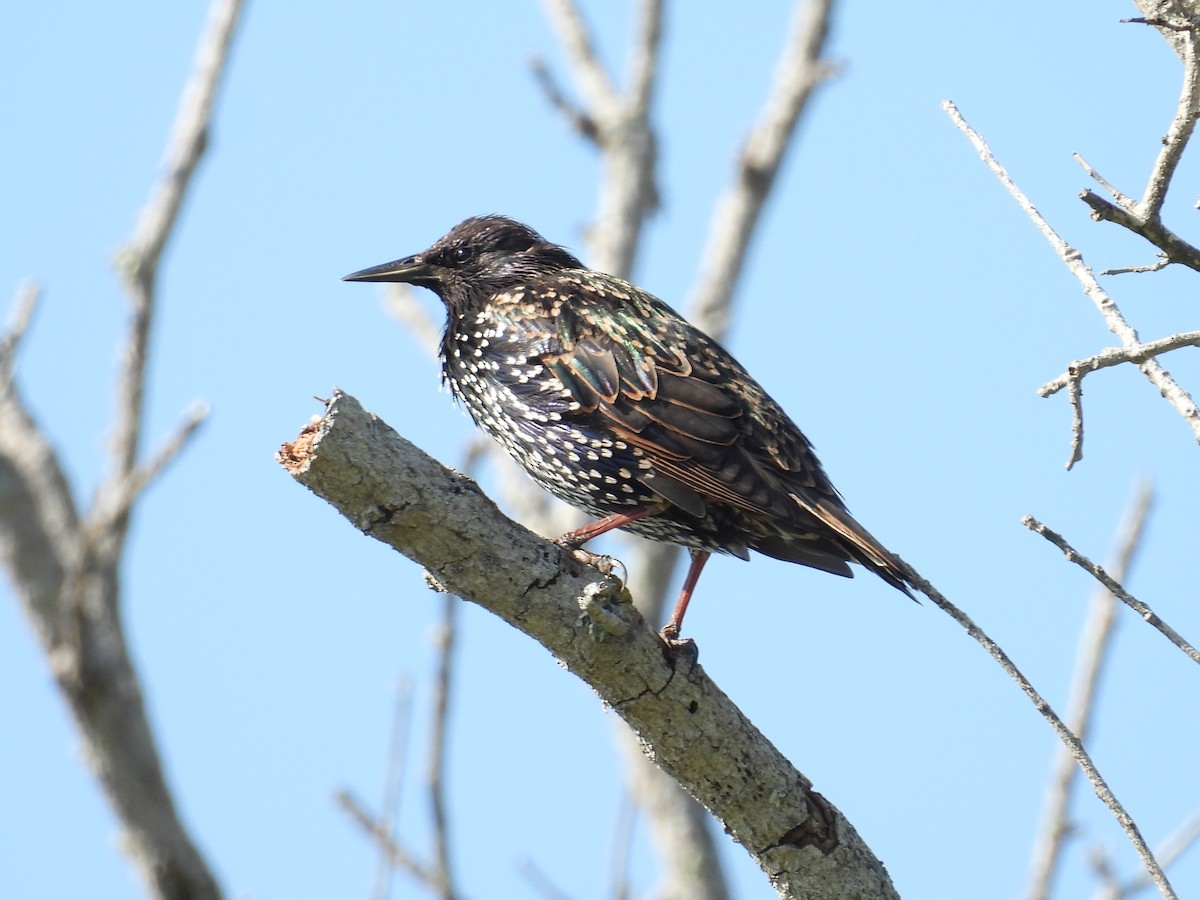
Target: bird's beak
(411, 269)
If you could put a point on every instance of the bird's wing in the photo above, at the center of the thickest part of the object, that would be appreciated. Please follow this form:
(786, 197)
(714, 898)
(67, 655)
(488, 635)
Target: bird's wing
(707, 430)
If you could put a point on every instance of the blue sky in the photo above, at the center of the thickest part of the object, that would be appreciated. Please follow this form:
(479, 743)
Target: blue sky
(896, 302)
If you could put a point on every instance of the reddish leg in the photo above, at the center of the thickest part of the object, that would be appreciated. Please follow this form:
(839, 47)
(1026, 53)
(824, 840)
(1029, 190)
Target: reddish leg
(670, 632)
(580, 536)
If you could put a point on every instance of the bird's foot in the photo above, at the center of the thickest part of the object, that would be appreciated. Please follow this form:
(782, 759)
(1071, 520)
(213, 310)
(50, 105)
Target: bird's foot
(678, 650)
(605, 565)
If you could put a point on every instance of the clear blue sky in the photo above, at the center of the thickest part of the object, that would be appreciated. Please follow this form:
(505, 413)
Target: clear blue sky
(896, 302)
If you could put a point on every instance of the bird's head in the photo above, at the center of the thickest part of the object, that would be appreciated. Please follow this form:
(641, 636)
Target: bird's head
(479, 257)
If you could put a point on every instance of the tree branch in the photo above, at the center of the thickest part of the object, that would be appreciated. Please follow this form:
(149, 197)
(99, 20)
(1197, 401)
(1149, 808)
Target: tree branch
(1090, 659)
(800, 71)
(1110, 584)
(394, 493)
(65, 566)
(1068, 737)
(1073, 260)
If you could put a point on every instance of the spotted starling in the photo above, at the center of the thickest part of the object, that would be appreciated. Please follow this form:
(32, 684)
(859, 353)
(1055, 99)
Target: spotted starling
(613, 402)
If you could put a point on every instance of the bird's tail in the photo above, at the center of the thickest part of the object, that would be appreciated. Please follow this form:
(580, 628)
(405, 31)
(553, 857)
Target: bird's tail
(861, 545)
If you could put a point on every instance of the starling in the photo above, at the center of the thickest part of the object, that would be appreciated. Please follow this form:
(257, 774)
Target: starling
(614, 403)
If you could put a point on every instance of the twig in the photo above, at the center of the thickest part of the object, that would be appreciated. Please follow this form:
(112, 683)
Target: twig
(1176, 844)
(1155, 373)
(643, 54)
(590, 76)
(138, 262)
(622, 128)
(399, 857)
(1145, 216)
(393, 782)
(1068, 737)
(20, 315)
(539, 881)
(1175, 248)
(443, 687)
(622, 844)
(1097, 572)
(402, 303)
(1162, 263)
(1089, 663)
(116, 502)
(1178, 134)
(800, 71)
(1113, 356)
(1075, 396)
(583, 124)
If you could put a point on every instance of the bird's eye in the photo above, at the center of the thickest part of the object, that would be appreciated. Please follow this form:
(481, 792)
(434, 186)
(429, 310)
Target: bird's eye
(460, 255)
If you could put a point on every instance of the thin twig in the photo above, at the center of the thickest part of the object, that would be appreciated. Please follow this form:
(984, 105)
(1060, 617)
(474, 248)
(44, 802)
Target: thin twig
(622, 844)
(1162, 263)
(1175, 248)
(582, 123)
(116, 503)
(1090, 660)
(1176, 844)
(1075, 395)
(1113, 356)
(643, 54)
(801, 69)
(1097, 572)
(400, 857)
(1068, 737)
(20, 314)
(1157, 375)
(139, 260)
(443, 688)
(403, 305)
(593, 81)
(1178, 134)
(1145, 217)
(539, 881)
(1122, 200)
(393, 783)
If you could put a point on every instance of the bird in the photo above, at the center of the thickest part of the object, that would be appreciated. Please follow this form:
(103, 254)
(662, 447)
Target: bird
(615, 403)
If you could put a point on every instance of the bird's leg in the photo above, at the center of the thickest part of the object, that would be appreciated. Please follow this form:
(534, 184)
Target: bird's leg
(573, 540)
(670, 632)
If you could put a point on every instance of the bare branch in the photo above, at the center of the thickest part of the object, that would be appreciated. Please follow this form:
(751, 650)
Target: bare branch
(1114, 356)
(138, 261)
(583, 124)
(1090, 660)
(1075, 395)
(392, 783)
(1068, 737)
(67, 572)
(643, 57)
(20, 315)
(1175, 248)
(396, 494)
(402, 303)
(1154, 372)
(399, 857)
(1122, 200)
(800, 71)
(1162, 263)
(1176, 844)
(1180, 131)
(590, 76)
(115, 503)
(443, 686)
(619, 124)
(1178, 25)
(1111, 584)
